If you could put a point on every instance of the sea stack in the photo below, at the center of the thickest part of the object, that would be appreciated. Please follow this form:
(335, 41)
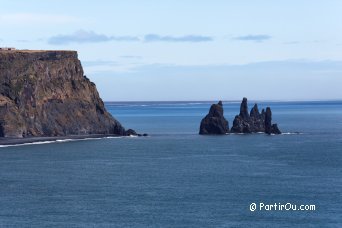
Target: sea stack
(45, 93)
(254, 121)
(214, 122)
(269, 127)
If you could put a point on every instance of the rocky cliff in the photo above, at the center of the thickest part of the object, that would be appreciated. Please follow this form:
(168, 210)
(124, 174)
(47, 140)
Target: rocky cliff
(45, 93)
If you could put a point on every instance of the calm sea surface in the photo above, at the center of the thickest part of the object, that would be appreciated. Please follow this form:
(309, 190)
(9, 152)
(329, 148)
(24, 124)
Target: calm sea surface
(177, 178)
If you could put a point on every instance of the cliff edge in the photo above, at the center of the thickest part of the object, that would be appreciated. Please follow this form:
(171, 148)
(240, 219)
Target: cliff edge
(45, 93)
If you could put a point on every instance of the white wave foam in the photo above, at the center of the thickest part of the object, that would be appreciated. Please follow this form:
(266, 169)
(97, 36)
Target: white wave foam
(64, 140)
(27, 144)
(292, 133)
(133, 136)
(114, 137)
(49, 141)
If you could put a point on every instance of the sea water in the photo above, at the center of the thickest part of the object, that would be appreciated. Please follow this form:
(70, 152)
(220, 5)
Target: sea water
(177, 178)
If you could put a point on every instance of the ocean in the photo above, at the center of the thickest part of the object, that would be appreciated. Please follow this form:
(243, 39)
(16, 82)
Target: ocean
(177, 178)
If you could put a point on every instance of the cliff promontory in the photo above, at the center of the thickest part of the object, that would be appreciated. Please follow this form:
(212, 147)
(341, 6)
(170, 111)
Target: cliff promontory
(45, 93)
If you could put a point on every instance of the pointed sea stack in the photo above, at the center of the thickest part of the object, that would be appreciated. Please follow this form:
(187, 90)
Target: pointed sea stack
(244, 109)
(268, 121)
(269, 127)
(241, 123)
(214, 123)
(255, 121)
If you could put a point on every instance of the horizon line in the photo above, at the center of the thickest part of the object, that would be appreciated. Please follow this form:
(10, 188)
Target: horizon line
(258, 100)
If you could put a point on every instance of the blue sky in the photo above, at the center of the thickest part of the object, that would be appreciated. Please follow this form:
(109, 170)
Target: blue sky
(190, 50)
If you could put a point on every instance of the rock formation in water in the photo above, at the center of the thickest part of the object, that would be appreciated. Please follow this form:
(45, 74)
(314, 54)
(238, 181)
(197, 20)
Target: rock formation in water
(131, 132)
(254, 121)
(269, 127)
(214, 123)
(45, 93)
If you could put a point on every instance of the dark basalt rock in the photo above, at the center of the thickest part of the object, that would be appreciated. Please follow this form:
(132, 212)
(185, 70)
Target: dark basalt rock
(269, 127)
(255, 112)
(240, 125)
(244, 109)
(214, 123)
(255, 121)
(275, 130)
(131, 132)
(268, 121)
(45, 93)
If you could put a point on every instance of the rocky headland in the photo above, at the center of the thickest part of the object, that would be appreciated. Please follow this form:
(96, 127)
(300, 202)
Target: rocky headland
(46, 94)
(245, 122)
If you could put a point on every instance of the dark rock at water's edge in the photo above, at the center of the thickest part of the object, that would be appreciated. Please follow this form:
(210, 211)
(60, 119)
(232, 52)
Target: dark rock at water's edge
(269, 127)
(46, 94)
(131, 132)
(254, 121)
(214, 123)
(275, 130)
(245, 122)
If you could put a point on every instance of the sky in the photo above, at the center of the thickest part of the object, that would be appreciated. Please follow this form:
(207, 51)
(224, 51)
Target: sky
(163, 50)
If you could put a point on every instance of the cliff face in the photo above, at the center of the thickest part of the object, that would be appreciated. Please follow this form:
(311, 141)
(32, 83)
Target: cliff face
(45, 93)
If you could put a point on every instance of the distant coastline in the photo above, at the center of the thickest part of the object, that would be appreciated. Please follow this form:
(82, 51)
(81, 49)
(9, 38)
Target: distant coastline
(225, 101)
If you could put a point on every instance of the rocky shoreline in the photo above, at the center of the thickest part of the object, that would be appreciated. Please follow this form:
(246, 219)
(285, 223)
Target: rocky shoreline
(7, 141)
(31, 140)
